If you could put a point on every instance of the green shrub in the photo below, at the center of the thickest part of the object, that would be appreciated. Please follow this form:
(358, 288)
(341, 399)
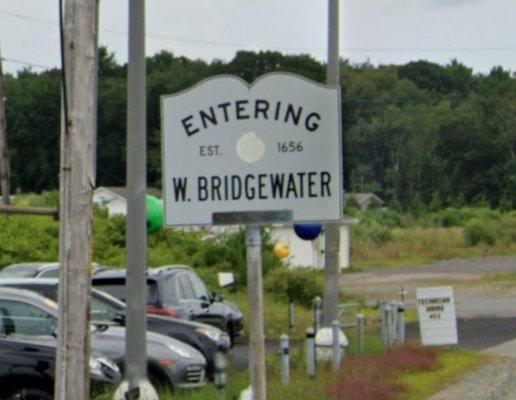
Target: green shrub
(44, 199)
(451, 217)
(300, 286)
(477, 232)
(373, 232)
(28, 238)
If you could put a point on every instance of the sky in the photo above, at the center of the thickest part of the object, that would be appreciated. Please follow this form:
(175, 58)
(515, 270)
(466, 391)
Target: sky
(478, 33)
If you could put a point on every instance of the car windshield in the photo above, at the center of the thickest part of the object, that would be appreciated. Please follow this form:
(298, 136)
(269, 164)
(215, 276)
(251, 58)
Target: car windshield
(18, 271)
(117, 290)
(51, 272)
(18, 317)
(101, 310)
(200, 289)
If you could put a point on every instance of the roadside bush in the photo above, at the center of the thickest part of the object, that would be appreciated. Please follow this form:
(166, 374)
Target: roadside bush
(28, 238)
(44, 199)
(300, 285)
(477, 232)
(373, 232)
(451, 217)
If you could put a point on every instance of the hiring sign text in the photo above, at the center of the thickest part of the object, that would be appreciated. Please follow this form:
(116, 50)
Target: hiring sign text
(437, 320)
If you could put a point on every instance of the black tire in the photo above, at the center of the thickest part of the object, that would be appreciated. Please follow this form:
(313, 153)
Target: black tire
(30, 394)
(231, 333)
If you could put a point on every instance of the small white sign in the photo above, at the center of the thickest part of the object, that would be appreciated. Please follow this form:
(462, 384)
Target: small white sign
(231, 147)
(437, 319)
(226, 278)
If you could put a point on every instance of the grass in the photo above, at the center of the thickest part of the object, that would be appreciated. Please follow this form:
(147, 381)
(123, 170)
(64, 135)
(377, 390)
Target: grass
(423, 245)
(277, 320)
(406, 373)
(453, 364)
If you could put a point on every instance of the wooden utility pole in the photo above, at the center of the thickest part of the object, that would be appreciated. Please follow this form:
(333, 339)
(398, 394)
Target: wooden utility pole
(4, 161)
(332, 236)
(77, 181)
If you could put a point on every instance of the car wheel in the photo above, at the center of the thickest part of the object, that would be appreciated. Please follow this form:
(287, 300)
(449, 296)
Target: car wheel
(30, 394)
(159, 382)
(231, 333)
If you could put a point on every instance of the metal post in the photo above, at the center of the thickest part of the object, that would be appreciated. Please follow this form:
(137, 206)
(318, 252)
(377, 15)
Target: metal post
(337, 356)
(77, 180)
(285, 359)
(392, 324)
(383, 324)
(386, 322)
(311, 361)
(332, 235)
(400, 324)
(360, 334)
(136, 223)
(256, 324)
(221, 378)
(292, 314)
(318, 314)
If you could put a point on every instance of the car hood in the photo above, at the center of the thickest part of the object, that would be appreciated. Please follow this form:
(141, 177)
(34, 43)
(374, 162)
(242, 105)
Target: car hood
(110, 340)
(226, 308)
(186, 323)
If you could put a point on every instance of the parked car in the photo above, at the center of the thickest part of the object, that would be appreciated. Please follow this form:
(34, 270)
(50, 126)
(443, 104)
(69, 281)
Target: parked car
(38, 270)
(27, 367)
(177, 291)
(171, 363)
(105, 308)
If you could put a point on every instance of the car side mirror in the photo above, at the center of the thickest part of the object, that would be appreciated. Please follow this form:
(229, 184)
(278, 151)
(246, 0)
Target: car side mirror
(217, 297)
(119, 318)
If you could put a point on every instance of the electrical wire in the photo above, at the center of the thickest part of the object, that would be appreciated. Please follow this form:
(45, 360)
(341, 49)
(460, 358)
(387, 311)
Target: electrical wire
(286, 48)
(27, 63)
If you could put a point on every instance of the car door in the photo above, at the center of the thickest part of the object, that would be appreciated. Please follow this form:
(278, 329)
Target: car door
(193, 293)
(22, 318)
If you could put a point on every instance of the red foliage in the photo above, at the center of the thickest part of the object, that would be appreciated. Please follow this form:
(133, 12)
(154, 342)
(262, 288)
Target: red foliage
(374, 377)
(359, 389)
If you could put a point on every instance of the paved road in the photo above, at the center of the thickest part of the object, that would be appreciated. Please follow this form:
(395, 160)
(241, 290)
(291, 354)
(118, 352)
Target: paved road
(474, 298)
(487, 313)
(474, 334)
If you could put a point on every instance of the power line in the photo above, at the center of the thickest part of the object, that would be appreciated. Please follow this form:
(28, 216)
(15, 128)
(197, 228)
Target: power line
(288, 48)
(30, 64)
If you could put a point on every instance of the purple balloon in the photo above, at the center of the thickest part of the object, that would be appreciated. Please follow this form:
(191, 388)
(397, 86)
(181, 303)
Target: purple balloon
(308, 231)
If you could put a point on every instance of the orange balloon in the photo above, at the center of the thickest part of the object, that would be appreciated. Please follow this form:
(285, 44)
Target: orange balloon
(282, 250)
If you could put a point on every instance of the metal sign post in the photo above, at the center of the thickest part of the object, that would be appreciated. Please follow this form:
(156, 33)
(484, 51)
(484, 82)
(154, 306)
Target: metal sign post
(331, 298)
(253, 242)
(136, 224)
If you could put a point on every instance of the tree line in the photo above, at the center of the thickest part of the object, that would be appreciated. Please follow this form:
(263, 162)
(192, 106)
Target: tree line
(418, 135)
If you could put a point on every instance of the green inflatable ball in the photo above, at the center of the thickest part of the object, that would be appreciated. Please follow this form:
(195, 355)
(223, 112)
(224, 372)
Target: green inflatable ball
(155, 213)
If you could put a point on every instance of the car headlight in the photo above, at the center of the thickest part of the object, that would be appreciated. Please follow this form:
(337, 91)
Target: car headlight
(95, 365)
(180, 352)
(209, 333)
(108, 363)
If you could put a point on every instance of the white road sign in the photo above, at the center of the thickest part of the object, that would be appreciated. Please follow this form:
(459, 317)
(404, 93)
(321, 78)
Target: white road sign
(437, 320)
(274, 145)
